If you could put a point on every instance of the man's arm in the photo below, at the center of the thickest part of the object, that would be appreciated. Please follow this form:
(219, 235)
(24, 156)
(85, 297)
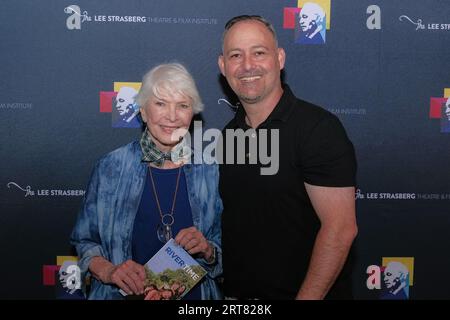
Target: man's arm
(335, 208)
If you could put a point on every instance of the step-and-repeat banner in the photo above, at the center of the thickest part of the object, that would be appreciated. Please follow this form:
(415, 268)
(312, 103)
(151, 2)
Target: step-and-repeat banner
(381, 66)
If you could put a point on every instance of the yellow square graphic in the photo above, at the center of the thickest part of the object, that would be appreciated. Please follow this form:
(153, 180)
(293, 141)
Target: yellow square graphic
(325, 4)
(446, 92)
(60, 259)
(134, 85)
(407, 261)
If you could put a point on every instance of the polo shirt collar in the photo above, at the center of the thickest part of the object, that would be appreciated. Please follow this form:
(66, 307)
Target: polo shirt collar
(281, 112)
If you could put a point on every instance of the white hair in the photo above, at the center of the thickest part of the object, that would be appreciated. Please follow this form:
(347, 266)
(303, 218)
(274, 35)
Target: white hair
(398, 267)
(171, 78)
(315, 9)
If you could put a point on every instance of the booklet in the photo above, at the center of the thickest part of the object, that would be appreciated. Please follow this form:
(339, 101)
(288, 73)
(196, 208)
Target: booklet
(171, 273)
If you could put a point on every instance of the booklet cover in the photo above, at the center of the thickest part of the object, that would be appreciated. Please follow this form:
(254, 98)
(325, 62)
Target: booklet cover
(171, 273)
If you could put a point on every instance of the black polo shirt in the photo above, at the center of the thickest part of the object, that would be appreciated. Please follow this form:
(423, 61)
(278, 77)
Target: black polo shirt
(269, 225)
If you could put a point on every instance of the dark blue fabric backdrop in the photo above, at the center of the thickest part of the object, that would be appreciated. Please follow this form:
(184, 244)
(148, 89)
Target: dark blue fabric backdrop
(377, 81)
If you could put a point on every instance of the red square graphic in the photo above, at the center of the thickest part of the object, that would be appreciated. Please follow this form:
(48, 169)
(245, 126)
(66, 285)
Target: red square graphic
(48, 274)
(436, 107)
(289, 17)
(106, 99)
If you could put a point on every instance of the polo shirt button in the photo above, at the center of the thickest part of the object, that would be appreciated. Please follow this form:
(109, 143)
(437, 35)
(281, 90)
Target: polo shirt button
(253, 135)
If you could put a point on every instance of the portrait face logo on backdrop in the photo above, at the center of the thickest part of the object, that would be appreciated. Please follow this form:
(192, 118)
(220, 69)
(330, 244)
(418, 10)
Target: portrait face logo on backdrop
(70, 276)
(65, 276)
(310, 21)
(393, 278)
(121, 104)
(440, 109)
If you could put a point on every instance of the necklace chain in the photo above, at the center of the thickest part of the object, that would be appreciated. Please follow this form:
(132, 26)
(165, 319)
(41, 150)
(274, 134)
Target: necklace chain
(156, 195)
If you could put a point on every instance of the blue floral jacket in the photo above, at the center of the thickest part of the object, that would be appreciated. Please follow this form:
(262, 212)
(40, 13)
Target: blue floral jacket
(105, 222)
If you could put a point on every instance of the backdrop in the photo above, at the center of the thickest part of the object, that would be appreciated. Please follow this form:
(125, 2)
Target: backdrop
(381, 66)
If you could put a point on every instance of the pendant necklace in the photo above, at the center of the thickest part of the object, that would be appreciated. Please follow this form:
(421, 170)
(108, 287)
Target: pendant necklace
(164, 230)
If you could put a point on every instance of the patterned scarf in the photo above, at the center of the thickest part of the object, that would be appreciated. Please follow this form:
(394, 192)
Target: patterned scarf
(151, 153)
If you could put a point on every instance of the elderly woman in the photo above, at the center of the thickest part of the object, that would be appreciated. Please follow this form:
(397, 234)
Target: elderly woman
(146, 192)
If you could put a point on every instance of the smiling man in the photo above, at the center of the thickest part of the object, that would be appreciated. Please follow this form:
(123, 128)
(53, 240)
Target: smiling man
(286, 235)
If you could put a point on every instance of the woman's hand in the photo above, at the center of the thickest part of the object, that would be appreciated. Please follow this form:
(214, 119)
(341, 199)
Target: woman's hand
(128, 276)
(193, 241)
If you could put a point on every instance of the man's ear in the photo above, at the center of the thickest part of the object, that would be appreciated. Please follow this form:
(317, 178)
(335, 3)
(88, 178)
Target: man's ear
(221, 64)
(281, 57)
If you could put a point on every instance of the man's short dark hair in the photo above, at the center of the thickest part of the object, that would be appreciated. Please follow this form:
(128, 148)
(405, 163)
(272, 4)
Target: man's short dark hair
(246, 17)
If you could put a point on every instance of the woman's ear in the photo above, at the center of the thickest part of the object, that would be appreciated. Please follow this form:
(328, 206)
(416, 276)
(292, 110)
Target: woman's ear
(143, 114)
